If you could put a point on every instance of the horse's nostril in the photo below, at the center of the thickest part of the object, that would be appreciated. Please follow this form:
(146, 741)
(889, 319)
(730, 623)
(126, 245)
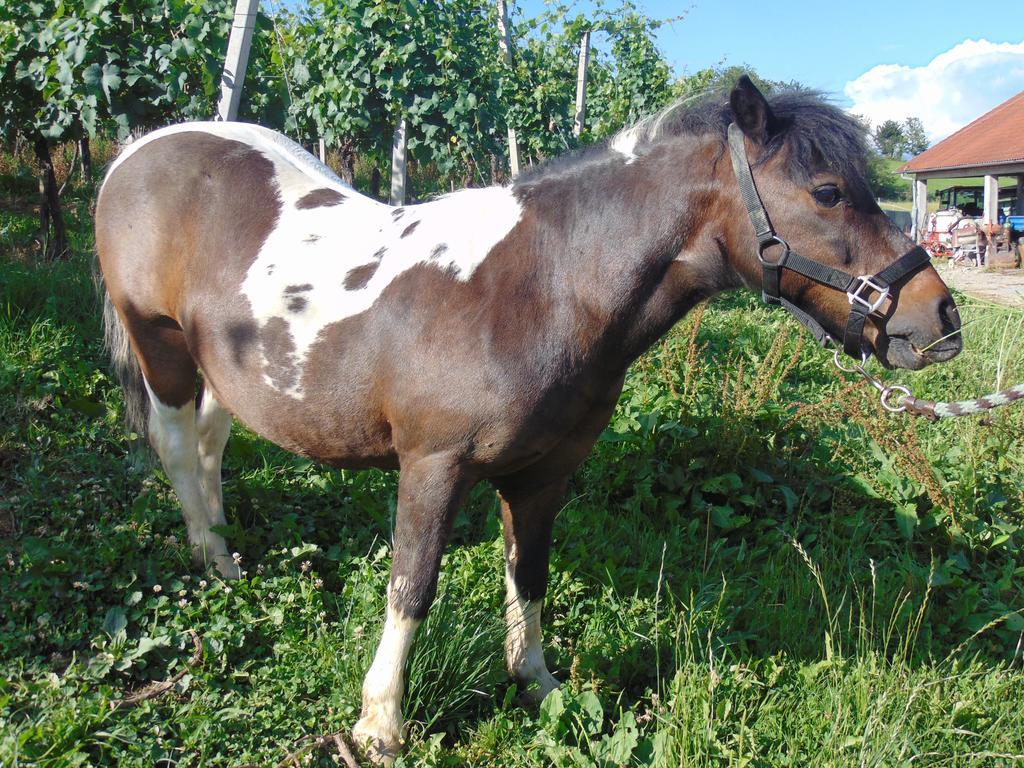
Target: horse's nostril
(949, 314)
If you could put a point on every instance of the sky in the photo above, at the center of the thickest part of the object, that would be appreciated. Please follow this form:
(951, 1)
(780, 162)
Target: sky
(944, 62)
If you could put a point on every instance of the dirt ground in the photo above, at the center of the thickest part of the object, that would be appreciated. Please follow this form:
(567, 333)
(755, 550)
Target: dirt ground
(1000, 286)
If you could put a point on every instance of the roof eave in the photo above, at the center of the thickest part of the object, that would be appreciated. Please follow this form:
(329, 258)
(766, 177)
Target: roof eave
(909, 168)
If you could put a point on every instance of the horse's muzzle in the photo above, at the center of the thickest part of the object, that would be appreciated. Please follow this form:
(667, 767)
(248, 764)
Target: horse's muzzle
(914, 345)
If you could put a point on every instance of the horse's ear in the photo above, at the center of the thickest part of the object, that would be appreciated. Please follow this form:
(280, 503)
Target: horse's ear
(751, 111)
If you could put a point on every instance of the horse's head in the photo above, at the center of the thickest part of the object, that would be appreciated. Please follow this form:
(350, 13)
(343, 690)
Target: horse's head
(807, 160)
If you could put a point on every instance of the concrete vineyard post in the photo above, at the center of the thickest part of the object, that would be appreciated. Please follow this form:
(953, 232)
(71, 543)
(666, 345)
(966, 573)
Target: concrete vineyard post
(506, 56)
(237, 58)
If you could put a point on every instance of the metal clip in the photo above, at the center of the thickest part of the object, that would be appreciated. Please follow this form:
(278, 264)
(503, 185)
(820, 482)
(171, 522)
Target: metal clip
(885, 391)
(837, 360)
(866, 283)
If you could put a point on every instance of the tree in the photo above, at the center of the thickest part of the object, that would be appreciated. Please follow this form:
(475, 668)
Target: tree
(915, 140)
(360, 67)
(537, 92)
(889, 138)
(628, 76)
(33, 88)
(638, 80)
(885, 184)
(347, 71)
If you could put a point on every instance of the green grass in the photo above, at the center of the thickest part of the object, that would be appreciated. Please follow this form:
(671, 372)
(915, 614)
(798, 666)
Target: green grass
(755, 567)
(934, 185)
(903, 205)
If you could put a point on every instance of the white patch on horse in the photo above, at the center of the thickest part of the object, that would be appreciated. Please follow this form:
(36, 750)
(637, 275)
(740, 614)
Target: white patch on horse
(213, 426)
(688, 257)
(625, 142)
(317, 248)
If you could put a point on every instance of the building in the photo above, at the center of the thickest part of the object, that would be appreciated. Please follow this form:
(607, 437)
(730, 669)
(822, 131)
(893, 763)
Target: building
(991, 146)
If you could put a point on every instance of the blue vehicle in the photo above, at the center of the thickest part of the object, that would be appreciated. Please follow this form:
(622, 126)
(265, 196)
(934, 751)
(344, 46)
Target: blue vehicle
(1015, 224)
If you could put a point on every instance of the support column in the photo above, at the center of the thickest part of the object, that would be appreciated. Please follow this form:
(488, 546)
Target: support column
(506, 57)
(920, 210)
(398, 158)
(991, 207)
(237, 58)
(581, 85)
(1019, 209)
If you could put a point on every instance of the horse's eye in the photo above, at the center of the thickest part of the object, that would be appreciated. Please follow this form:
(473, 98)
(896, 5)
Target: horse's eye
(827, 195)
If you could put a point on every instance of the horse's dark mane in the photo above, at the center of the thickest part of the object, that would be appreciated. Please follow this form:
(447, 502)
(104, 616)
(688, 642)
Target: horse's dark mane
(818, 134)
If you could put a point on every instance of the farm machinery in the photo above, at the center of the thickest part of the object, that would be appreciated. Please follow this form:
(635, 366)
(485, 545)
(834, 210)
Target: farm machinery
(965, 239)
(954, 236)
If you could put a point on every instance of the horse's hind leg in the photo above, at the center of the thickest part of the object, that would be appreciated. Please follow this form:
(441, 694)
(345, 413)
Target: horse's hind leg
(173, 433)
(530, 501)
(213, 425)
(169, 372)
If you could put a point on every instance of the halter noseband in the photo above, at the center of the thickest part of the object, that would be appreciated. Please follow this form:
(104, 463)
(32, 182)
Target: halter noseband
(858, 289)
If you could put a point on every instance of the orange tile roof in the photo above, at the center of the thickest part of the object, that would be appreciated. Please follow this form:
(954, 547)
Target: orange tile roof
(996, 137)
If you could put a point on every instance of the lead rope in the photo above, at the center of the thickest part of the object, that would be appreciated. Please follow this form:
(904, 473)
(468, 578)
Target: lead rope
(930, 409)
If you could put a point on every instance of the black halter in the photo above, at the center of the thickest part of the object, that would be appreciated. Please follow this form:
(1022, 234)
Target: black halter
(859, 290)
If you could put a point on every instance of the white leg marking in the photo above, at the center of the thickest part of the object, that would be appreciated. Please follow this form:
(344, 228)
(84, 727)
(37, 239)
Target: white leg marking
(379, 730)
(176, 441)
(524, 651)
(213, 425)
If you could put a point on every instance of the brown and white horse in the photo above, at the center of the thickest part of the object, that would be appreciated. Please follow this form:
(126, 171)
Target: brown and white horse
(481, 336)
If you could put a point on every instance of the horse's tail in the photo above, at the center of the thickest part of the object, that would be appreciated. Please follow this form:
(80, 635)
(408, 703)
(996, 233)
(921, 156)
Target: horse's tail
(126, 366)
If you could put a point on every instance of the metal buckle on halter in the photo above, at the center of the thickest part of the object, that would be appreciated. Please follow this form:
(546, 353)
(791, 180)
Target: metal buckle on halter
(775, 240)
(866, 282)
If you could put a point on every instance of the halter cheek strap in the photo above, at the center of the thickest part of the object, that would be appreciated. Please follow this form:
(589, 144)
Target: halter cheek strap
(866, 294)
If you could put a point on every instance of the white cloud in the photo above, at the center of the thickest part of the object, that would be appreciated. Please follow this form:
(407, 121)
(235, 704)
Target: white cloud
(947, 93)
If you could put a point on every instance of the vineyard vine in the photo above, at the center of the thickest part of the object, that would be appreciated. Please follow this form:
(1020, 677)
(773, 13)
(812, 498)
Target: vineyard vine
(345, 71)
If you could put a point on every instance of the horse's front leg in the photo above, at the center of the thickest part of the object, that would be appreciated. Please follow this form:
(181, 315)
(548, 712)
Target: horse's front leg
(430, 490)
(528, 512)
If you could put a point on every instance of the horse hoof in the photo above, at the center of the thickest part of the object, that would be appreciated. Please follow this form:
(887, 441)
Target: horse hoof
(536, 690)
(204, 556)
(228, 568)
(379, 743)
